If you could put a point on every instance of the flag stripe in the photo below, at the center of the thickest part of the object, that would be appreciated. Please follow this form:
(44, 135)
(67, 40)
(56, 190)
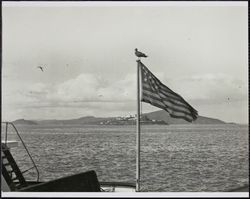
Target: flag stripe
(160, 84)
(166, 102)
(164, 88)
(147, 86)
(171, 113)
(164, 106)
(165, 91)
(170, 99)
(183, 117)
(159, 95)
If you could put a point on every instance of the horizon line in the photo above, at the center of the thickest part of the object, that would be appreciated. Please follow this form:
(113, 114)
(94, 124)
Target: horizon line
(43, 119)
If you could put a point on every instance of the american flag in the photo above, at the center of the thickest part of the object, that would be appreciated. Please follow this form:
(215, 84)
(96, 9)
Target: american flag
(159, 95)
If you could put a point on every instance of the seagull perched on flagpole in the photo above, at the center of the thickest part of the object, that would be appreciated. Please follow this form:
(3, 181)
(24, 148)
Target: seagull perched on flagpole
(139, 54)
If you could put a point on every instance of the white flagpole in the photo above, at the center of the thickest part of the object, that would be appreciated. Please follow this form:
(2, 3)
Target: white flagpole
(138, 129)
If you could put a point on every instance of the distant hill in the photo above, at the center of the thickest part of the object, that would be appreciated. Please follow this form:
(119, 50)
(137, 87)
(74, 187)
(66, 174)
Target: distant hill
(23, 121)
(99, 121)
(156, 116)
(163, 115)
(82, 120)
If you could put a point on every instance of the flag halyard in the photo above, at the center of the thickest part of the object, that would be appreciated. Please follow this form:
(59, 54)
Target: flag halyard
(159, 95)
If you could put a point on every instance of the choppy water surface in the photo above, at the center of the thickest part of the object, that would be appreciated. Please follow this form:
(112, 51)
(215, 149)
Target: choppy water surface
(173, 158)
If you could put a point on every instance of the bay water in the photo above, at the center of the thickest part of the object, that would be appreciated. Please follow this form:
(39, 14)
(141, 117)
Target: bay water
(174, 158)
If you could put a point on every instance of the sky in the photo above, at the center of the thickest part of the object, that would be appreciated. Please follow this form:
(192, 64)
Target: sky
(87, 54)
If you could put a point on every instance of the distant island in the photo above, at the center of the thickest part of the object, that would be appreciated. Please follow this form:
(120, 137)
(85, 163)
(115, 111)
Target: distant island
(23, 121)
(165, 117)
(158, 117)
(131, 120)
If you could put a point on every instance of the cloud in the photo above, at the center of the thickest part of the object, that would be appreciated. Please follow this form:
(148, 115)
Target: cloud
(21, 93)
(210, 88)
(82, 87)
(90, 88)
(101, 95)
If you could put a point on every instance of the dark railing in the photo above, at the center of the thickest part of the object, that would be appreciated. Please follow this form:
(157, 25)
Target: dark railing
(20, 138)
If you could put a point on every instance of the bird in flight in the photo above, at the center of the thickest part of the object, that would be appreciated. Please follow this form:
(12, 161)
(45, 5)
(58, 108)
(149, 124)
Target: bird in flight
(40, 68)
(139, 54)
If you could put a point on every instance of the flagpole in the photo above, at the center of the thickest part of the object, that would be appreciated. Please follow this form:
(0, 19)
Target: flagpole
(138, 129)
